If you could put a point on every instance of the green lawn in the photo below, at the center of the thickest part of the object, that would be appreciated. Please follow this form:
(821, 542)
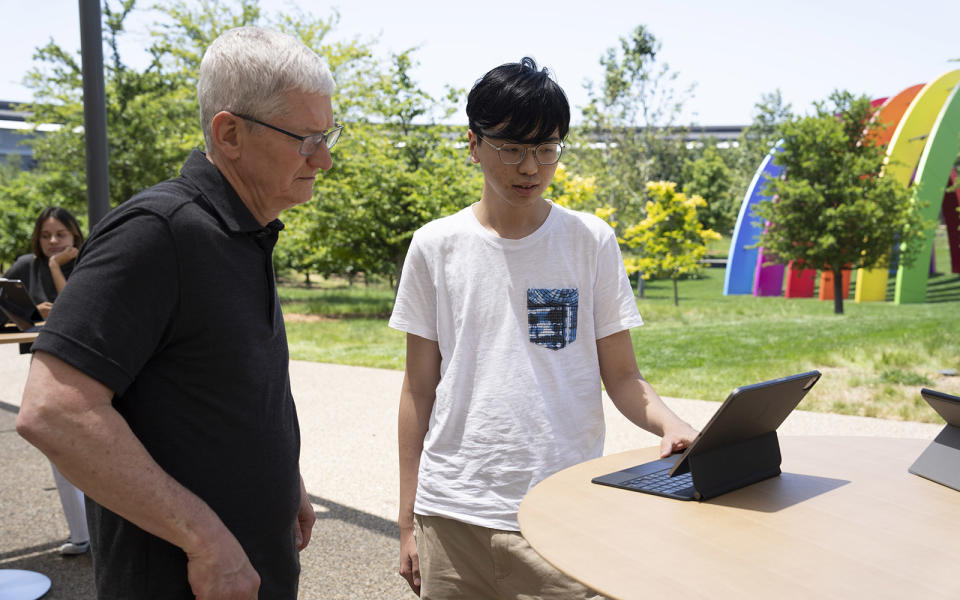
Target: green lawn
(874, 358)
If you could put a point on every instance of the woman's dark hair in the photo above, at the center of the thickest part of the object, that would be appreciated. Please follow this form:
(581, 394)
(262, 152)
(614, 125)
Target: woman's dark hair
(518, 102)
(62, 215)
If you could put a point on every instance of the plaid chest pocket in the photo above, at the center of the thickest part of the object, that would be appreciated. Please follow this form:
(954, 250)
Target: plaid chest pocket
(552, 316)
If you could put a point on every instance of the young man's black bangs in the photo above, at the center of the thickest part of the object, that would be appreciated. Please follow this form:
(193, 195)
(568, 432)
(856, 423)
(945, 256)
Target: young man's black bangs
(520, 104)
(530, 122)
(532, 127)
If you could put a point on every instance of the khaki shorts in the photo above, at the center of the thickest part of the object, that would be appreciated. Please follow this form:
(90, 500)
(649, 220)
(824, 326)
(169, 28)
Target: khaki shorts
(459, 560)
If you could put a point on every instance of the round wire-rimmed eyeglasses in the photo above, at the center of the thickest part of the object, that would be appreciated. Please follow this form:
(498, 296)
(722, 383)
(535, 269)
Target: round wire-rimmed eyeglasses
(546, 153)
(309, 144)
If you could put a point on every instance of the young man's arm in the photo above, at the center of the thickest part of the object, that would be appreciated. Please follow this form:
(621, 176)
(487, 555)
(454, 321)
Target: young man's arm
(416, 403)
(635, 398)
(69, 416)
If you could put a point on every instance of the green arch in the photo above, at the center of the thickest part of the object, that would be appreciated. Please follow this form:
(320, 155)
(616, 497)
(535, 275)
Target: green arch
(933, 173)
(907, 145)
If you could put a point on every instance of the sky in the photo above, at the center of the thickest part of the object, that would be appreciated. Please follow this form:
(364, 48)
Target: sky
(732, 51)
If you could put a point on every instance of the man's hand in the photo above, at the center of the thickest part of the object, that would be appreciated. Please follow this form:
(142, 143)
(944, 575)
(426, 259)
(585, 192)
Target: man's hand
(677, 440)
(306, 517)
(410, 559)
(221, 570)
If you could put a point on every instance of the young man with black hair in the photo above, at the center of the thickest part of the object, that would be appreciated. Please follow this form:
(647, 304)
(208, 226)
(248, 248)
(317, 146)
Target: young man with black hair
(515, 310)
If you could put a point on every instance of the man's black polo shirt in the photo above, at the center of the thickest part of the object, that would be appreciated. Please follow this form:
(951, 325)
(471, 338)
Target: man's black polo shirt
(173, 306)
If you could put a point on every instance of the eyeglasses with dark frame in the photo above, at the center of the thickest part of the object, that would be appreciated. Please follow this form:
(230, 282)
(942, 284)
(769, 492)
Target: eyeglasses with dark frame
(309, 144)
(546, 153)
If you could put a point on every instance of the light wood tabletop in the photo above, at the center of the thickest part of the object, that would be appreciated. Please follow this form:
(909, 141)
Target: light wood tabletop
(18, 337)
(844, 520)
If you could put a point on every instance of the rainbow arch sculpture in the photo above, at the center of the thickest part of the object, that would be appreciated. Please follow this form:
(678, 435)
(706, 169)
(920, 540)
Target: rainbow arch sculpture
(921, 125)
(933, 171)
(906, 145)
(742, 259)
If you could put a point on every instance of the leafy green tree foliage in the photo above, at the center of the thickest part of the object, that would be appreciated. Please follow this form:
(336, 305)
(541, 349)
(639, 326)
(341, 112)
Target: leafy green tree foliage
(19, 208)
(671, 240)
(573, 191)
(390, 176)
(754, 143)
(765, 130)
(152, 113)
(833, 210)
(709, 177)
(148, 112)
(631, 133)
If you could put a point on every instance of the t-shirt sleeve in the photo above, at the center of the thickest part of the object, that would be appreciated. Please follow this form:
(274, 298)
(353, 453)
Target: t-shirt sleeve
(118, 306)
(615, 306)
(415, 310)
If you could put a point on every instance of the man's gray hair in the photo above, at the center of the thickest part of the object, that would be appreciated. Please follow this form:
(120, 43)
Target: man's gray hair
(247, 70)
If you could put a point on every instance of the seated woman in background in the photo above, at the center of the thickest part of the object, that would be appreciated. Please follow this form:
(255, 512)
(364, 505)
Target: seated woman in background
(55, 242)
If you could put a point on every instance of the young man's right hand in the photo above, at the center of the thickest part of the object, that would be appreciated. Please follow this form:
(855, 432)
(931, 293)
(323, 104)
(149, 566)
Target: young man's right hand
(409, 559)
(44, 309)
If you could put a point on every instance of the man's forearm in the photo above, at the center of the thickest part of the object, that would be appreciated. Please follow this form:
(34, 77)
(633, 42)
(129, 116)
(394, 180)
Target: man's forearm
(417, 395)
(639, 402)
(410, 436)
(93, 447)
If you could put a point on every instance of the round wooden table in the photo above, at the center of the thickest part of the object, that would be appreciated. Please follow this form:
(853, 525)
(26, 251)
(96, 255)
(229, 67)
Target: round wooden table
(844, 520)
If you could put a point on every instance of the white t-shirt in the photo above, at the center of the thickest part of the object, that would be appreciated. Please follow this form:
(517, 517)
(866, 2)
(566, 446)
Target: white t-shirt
(517, 323)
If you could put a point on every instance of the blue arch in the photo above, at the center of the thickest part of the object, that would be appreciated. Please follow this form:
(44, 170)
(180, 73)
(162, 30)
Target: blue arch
(741, 260)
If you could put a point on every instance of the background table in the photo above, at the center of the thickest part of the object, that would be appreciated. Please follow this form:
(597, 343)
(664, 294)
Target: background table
(19, 337)
(845, 520)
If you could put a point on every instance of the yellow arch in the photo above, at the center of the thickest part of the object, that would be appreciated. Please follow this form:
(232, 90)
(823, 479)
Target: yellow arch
(903, 153)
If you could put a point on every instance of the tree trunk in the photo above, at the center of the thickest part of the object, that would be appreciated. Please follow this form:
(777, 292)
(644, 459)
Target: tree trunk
(838, 291)
(676, 295)
(640, 285)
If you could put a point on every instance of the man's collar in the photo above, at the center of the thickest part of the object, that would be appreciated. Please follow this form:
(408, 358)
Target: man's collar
(223, 199)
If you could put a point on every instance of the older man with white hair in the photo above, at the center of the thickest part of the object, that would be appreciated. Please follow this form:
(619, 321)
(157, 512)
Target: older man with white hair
(160, 385)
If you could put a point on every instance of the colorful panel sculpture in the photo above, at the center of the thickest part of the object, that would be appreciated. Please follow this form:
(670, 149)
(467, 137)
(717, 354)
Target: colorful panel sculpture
(800, 281)
(932, 174)
(888, 117)
(921, 127)
(767, 278)
(742, 260)
(906, 146)
(826, 284)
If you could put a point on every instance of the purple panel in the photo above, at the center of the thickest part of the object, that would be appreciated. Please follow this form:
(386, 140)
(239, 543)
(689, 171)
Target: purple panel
(767, 280)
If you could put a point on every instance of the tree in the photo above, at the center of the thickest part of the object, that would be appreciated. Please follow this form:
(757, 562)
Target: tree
(832, 209)
(766, 128)
(391, 176)
(756, 141)
(711, 179)
(671, 240)
(573, 191)
(631, 123)
(148, 112)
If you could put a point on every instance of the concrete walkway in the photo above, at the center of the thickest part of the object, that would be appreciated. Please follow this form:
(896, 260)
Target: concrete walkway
(348, 425)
